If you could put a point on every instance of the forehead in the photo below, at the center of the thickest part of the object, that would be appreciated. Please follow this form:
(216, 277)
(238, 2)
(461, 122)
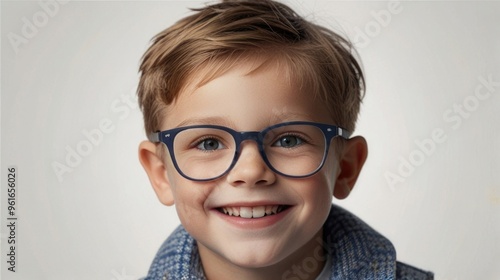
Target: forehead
(292, 66)
(248, 95)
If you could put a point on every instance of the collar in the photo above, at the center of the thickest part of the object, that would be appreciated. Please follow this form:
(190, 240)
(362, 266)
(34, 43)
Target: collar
(357, 252)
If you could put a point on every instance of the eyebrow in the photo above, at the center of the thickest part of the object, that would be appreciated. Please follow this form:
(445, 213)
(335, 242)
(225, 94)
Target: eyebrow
(289, 116)
(222, 121)
(225, 121)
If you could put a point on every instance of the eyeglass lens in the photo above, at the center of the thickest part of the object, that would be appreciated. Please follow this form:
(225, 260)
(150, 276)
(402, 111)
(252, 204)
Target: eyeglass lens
(294, 150)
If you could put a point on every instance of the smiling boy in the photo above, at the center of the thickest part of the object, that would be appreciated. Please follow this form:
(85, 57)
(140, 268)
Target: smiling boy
(249, 109)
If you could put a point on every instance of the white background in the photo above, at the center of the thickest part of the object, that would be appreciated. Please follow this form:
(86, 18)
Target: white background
(77, 71)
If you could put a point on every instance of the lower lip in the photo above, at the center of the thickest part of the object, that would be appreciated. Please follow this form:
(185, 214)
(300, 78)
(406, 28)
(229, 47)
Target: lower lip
(254, 223)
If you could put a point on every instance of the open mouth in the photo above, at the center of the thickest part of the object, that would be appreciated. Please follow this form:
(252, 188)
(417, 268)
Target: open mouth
(253, 212)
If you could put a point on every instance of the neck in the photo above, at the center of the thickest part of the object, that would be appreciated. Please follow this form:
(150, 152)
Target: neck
(306, 264)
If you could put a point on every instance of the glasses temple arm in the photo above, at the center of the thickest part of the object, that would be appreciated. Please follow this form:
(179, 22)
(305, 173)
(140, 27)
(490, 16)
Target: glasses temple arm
(154, 137)
(343, 133)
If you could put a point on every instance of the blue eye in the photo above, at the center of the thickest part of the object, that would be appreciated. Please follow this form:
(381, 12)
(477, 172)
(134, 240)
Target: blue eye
(289, 141)
(210, 144)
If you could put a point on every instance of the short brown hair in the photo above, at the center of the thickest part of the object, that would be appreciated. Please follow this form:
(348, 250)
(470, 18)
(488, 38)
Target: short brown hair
(223, 34)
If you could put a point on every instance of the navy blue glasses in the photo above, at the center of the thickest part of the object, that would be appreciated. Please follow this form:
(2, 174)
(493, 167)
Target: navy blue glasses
(207, 152)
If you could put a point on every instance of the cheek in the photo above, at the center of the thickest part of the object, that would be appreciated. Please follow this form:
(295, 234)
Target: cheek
(316, 192)
(189, 205)
(189, 199)
(323, 195)
(323, 183)
(330, 171)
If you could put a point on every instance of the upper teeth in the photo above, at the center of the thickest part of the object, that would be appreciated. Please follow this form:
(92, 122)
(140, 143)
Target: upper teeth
(252, 212)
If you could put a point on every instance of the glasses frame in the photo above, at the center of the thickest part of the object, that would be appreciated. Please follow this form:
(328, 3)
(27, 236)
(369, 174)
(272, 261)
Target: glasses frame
(167, 137)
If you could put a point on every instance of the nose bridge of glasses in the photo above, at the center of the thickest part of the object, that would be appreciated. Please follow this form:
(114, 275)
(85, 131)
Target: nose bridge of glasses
(250, 135)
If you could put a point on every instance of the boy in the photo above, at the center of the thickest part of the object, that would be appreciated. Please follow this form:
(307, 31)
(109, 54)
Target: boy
(249, 109)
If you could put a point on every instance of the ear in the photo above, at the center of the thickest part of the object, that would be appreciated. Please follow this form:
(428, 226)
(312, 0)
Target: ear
(157, 172)
(352, 159)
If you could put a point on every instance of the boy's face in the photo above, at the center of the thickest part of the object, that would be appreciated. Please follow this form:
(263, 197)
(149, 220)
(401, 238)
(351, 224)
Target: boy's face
(248, 102)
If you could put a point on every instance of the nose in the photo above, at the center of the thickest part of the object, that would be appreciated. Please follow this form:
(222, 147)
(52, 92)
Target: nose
(250, 169)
